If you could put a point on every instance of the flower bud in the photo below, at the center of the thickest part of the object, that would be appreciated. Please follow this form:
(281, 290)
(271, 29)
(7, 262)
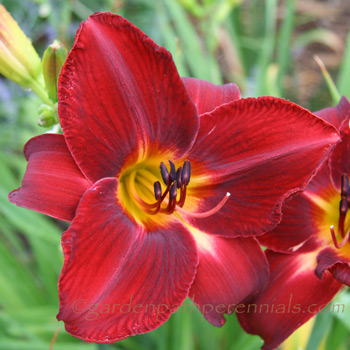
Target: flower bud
(47, 115)
(53, 60)
(18, 59)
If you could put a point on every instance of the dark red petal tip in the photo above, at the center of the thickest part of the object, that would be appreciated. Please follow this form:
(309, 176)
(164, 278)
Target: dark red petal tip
(53, 184)
(261, 151)
(133, 105)
(336, 262)
(207, 96)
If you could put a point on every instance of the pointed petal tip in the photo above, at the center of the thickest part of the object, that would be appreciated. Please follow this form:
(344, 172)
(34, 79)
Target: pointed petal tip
(207, 96)
(12, 196)
(269, 154)
(52, 184)
(336, 261)
(132, 62)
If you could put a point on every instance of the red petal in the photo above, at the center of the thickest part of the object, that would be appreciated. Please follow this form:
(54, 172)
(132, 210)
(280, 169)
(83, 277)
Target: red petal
(207, 96)
(293, 296)
(121, 97)
(339, 160)
(114, 270)
(229, 270)
(303, 216)
(261, 151)
(52, 184)
(336, 115)
(336, 261)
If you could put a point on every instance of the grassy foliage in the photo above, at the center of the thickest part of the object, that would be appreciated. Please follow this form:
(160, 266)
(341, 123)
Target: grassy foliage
(261, 45)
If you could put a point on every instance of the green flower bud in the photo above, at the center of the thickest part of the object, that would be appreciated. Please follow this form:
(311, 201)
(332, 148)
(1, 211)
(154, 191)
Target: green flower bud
(52, 62)
(47, 115)
(18, 59)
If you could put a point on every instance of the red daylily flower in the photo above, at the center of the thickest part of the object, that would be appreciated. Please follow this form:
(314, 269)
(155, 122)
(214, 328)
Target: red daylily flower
(309, 252)
(135, 250)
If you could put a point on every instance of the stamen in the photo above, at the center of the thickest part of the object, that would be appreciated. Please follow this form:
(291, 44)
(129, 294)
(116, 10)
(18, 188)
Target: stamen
(165, 174)
(335, 241)
(206, 213)
(186, 173)
(343, 208)
(172, 200)
(172, 171)
(345, 189)
(179, 177)
(173, 191)
(181, 201)
(344, 202)
(157, 190)
(174, 180)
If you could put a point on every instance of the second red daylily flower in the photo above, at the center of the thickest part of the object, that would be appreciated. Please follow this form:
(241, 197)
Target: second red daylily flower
(309, 252)
(145, 236)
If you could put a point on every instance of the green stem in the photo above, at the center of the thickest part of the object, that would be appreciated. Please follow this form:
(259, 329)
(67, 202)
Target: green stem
(40, 91)
(267, 49)
(329, 81)
(102, 346)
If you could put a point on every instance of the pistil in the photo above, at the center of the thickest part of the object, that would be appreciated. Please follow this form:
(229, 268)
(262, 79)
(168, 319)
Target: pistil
(206, 213)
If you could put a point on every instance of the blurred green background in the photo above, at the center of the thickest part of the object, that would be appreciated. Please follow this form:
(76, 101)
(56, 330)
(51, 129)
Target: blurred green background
(266, 46)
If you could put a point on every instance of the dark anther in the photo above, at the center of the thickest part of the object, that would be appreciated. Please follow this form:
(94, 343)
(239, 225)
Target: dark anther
(173, 191)
(343, 206)
(174, 179)
(345, 191)
(186, 173)
(157, 190)
(178, 180)
(179, 177)
(172, 171)
(165, 174)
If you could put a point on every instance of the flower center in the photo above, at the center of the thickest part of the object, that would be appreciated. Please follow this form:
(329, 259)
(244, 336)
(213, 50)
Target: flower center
(343, 209)
(175, 181)
(141, 192)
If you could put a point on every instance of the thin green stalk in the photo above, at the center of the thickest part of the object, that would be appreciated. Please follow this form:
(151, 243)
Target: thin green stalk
(344, 73)
(102, 346)
(268, 45)
(40, 91)
(283, 54)
(329, 81)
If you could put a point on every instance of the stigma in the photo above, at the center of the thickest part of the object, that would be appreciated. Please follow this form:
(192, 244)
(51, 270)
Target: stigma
(173, 197)
(343, 209)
